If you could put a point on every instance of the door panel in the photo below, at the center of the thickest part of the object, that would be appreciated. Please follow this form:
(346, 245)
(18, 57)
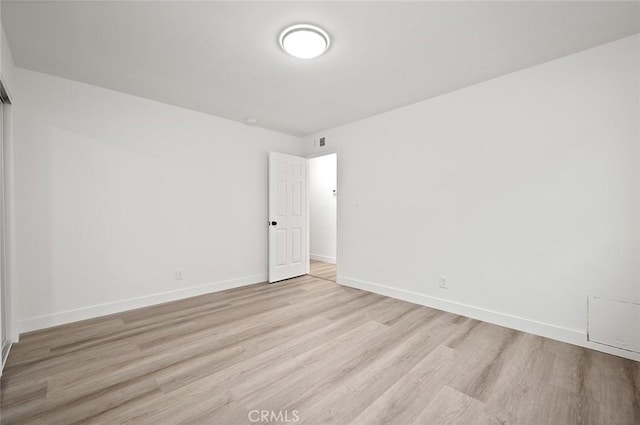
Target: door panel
(296, 245)
(296, 201)
(281, 246)
(287, 216)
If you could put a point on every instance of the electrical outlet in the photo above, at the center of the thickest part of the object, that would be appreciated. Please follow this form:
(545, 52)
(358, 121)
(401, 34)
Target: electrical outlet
(444, 283)
(179, 273)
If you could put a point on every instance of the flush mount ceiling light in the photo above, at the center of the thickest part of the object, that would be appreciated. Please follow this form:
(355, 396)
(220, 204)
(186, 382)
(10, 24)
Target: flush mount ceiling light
(304, 41)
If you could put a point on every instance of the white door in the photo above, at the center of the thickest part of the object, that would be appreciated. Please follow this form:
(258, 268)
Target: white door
(288, 256)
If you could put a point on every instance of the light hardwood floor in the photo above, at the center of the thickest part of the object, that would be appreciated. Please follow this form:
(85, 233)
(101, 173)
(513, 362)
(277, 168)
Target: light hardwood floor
(333, 354)
(323, 270)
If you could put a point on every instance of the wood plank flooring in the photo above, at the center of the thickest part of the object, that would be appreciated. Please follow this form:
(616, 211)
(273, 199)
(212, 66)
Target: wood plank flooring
(323, 270)
(310, 350)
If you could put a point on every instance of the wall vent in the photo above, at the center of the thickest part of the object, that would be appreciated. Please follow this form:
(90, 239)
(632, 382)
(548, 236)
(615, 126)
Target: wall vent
(321, 142)
(614, 323)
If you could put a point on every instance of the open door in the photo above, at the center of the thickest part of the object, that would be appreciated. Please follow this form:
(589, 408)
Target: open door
(288, 256)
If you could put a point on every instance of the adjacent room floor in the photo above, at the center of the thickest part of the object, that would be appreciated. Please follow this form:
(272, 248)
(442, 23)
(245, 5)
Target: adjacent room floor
(330, 353)
(323, 270)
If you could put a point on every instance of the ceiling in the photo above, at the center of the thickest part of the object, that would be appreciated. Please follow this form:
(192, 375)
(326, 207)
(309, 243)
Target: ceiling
(224, 59)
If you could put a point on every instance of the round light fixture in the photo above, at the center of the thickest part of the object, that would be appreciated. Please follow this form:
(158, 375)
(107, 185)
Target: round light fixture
(304, 41)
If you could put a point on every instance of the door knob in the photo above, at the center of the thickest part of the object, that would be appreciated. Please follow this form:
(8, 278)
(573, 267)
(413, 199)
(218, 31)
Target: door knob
(274, 223)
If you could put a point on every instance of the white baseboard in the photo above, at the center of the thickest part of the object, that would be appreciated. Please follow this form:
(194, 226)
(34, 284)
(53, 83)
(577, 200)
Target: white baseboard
(90, 312)
(323, 258)
(571, 336)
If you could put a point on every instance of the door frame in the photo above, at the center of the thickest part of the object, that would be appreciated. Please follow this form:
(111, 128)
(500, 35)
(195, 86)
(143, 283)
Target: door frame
(8, 269)
(309, 157)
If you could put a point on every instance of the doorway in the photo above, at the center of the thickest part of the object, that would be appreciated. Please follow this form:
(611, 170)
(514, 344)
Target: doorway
(323, 216)
(5, 337)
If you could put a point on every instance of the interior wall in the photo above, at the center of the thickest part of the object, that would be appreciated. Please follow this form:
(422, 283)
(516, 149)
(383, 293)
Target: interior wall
(523, 191)
(115, 192)
(323, 208)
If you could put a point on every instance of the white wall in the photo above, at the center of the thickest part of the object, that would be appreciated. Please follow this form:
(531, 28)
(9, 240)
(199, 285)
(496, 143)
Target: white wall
(115, 192)
(523, 190)
(322, 208)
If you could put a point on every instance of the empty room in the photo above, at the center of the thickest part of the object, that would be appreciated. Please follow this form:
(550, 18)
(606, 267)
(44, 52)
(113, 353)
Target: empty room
(298, 212)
